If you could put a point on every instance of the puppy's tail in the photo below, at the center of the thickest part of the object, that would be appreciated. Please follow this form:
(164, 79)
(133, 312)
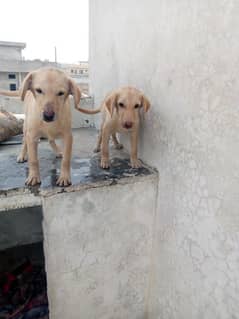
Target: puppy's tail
(94, 111)
(10, 93)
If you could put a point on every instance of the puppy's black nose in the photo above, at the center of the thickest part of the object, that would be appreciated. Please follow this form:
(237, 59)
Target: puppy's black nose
(48, 116)
(128, 125)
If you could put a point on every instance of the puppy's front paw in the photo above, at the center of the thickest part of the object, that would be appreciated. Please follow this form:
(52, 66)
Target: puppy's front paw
(135, 163)
(63, 180)
(33, 180)
(104, 163)
(119, 146)
(21, 159)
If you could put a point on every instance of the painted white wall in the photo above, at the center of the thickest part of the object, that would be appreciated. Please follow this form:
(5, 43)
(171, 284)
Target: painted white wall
(98, 252)
(185, 56)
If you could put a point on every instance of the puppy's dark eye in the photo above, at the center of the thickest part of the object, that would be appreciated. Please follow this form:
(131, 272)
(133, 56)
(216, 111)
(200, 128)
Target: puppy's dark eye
(39, 91)
(60, 93)
(136, 106)
(121, 104)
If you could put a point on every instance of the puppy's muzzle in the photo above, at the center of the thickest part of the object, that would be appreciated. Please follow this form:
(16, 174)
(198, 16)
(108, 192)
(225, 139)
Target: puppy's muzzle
(128, 125)
(48, 116)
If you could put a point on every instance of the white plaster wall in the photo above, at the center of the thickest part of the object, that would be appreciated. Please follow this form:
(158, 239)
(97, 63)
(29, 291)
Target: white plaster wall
(98, 249)
(185, 56)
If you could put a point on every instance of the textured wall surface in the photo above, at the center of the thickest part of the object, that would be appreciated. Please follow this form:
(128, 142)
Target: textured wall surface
(185, 56)
(98, 249)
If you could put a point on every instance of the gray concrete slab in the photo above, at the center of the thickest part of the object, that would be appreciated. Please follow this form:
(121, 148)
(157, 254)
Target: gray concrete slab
(85, 171)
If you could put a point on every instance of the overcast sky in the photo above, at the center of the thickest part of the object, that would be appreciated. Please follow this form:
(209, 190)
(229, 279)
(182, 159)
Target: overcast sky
(44, 24)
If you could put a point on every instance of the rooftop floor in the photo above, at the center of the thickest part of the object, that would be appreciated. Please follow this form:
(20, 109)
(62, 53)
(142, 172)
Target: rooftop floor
(85, 170)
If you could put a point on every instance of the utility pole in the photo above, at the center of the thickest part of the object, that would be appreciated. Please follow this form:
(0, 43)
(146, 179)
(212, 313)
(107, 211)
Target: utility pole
(55, 56)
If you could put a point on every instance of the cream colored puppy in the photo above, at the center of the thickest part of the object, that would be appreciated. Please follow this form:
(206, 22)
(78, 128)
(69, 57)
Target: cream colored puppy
(45, 93)
(120, 110)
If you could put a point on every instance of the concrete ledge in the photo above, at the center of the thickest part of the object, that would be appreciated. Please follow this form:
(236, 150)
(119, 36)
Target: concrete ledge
(86, 173)
(13, 199)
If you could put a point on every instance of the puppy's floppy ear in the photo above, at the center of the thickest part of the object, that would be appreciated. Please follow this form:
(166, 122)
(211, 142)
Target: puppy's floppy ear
(75, 91)
(111, 101)
(145, 103)
(26, 85)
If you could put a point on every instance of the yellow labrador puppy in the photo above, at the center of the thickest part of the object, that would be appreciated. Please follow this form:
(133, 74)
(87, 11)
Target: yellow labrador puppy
(45, 93)
(120, 114)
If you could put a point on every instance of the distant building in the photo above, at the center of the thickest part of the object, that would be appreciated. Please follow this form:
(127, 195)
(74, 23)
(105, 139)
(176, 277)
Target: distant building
(13, 68)
(81, 68)
(11, 50)
(80, 73)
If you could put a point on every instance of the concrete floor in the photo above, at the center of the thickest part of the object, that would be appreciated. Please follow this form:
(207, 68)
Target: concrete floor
(83, 144)
(85, 167)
